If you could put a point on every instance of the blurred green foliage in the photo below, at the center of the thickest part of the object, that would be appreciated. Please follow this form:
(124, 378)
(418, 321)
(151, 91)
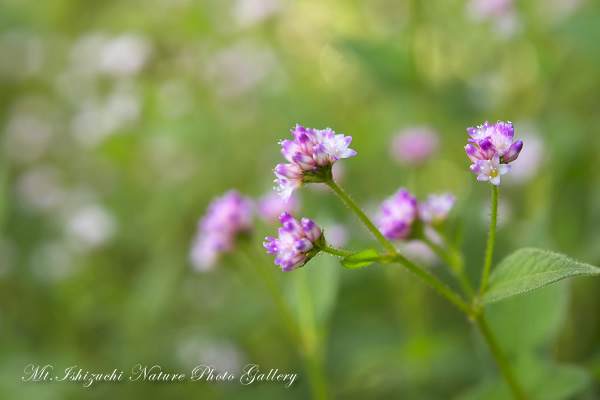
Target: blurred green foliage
(120, 120)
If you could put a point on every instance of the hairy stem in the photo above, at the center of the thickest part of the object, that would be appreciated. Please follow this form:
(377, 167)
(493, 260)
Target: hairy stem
(335, 252)
(491, 240)
(399, 258)
(361, 215)
(500, 358)
(456, 266)
(435, 283)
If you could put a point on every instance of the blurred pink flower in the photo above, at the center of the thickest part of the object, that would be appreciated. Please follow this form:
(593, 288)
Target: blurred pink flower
(528, 165)
(436, 208)
(488, 9)
(336, 234)
(415, 145)
(226, 217)
(418, 251)
(271, 205)
(502, 16)
(397, 215)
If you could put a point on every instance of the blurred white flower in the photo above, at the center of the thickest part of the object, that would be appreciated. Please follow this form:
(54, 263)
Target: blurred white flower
(85, 53)
(90, 226)
(489, 9)
(40, 188)
(558, 10)
(224, 355)
(97, 120)
(98, 53)
(26, 137)
(242, 68)
(502, 16)
(250, 12)
(125, 54)
(508, 25)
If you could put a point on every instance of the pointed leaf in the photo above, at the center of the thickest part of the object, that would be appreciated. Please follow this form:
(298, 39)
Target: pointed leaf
(529, 269)
(360, 259)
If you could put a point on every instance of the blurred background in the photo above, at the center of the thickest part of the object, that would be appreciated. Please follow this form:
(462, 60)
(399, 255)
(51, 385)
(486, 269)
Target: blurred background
(121, 120)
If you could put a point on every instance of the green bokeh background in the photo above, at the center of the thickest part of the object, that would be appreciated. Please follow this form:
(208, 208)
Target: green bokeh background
(220, 84)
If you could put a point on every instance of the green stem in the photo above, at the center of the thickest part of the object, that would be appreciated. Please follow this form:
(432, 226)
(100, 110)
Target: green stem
(397, 257)
(500, 358)
(335, 252)
(361, 215)
(456, 266)
(435, 283)
(491, 240)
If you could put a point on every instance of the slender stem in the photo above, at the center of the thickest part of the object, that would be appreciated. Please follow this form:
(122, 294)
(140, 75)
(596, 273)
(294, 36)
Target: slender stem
(491, 240)
(456, 266)
(335, 252)
(397, 257)
(435, 283)
(500, 358)
(361, 215)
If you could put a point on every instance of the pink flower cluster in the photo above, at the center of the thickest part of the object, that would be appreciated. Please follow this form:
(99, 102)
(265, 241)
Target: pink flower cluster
(294, 242)
(311, 151)
(399, 213)
(226, 218)
(492, 149)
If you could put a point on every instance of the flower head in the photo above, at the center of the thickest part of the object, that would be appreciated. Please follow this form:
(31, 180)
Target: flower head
(225, 218)
(492, 145)
(397, 215)
(490, 170)
(295, 243)
(310, 155)
(436, 208)
(414, 145)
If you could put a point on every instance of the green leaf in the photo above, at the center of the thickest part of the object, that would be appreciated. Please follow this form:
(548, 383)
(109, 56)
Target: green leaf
(360, 259)
(528, 324)
(541, 380)
(529, 269)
